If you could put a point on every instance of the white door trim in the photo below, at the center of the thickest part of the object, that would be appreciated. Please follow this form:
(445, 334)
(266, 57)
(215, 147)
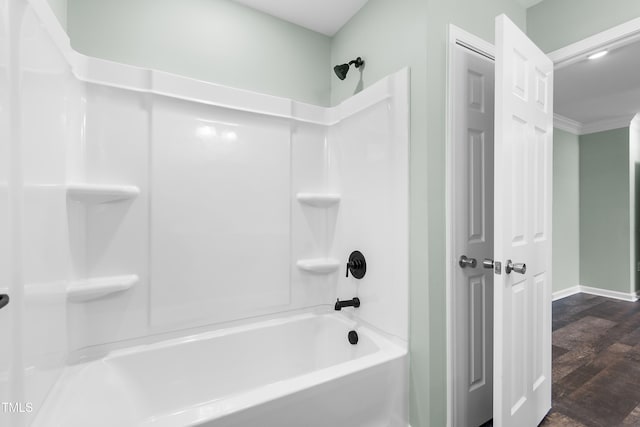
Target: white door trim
(470, 41)
(612, 38)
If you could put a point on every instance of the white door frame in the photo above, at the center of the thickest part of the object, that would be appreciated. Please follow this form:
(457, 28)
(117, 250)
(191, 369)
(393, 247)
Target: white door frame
(610, 39)
(618, 36)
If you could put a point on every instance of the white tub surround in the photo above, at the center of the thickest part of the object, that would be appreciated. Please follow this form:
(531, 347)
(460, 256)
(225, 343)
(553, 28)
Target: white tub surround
(170, 205)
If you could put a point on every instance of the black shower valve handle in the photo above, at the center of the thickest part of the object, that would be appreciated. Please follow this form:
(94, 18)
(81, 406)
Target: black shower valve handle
(356, 264)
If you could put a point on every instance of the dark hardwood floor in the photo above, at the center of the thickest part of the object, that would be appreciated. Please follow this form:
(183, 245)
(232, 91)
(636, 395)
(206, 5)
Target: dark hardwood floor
(596, 363)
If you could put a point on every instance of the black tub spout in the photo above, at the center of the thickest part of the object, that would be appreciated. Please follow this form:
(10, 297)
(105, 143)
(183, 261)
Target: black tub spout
(347, 303)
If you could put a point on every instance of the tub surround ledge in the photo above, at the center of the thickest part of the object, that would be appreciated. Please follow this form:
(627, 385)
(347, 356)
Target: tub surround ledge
(97, 194)
(98, 287)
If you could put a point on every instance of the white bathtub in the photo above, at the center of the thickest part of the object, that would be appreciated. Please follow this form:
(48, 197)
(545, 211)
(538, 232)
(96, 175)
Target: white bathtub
(297, 371)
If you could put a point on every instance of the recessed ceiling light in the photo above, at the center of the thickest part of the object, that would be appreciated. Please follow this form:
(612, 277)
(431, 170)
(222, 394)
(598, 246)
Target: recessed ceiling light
(598, 54)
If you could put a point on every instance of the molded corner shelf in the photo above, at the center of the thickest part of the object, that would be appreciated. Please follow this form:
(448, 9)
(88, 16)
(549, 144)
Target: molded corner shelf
(319, 265)
(96, 194)
(319, 200)
(94, 288)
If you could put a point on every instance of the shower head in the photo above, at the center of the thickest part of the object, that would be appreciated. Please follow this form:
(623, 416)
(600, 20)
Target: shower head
(342, 70)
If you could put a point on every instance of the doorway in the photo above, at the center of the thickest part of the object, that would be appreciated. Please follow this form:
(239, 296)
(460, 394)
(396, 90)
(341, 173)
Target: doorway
(500, 326)
(463, 329)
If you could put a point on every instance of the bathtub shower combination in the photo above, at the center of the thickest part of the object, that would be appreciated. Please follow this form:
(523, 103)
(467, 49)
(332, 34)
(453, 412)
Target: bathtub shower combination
(176, 251)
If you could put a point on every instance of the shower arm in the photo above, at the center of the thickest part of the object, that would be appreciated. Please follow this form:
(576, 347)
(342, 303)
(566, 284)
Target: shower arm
(358, 62)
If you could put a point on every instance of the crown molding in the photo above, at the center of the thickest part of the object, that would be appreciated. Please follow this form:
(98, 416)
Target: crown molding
(572, 126)
(604, 125)
(566, 124)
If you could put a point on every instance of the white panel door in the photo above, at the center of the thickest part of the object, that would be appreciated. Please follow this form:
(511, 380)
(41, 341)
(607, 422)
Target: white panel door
(522, 229)
(473, 91)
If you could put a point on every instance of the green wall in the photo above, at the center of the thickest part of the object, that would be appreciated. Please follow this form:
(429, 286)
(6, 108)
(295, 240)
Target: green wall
(400, 42)
(595, 212)
(605, 223)
(59, 7)
(566, 211)
(214, 40)
(390, 35)
(553, 24)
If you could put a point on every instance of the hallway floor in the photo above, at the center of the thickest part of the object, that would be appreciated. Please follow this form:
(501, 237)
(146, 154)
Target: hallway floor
(596, 363)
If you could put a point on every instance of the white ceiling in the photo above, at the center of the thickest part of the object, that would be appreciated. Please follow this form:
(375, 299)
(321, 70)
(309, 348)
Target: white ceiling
(528, 3)
(600, 90)
(322, 16)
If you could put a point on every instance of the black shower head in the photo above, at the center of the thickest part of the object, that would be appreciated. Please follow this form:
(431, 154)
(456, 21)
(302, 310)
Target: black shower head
(342, 70)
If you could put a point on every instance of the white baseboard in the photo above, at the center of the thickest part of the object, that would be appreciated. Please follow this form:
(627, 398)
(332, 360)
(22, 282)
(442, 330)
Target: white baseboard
(632, 297)
(565, 293)
(623, 296)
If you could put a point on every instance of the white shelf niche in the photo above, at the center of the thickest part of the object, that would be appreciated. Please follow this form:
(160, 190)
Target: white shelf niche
(98, 287)
(319, 200)
(319, 265)
(97, 193)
